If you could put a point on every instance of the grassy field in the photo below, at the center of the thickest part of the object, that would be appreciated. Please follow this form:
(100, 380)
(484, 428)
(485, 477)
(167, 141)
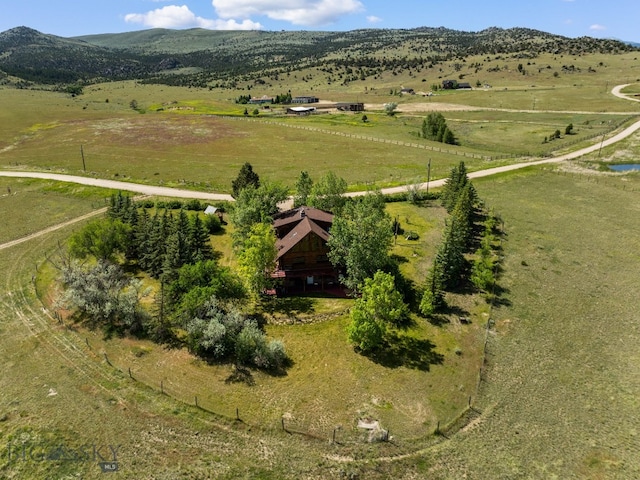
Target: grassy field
(328, 385)
(28, 206)
(181, 140)
(562, 391)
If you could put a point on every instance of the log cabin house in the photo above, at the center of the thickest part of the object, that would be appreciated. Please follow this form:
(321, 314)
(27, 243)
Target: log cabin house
(302, 263)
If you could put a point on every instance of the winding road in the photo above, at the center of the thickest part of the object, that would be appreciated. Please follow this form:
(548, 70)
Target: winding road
(180, 193)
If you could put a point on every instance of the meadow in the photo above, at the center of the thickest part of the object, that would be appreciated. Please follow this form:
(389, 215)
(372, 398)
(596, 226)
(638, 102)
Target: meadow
(199, 138)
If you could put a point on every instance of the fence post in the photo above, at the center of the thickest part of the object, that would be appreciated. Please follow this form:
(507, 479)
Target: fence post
(197, 402)
(161, 387)
(282, 419)
(237, 414)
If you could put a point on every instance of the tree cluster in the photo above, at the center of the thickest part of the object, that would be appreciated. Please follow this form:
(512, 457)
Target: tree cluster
(196, 296)
(485, 264)
(450, 264)
(221, 332)
(435, 128)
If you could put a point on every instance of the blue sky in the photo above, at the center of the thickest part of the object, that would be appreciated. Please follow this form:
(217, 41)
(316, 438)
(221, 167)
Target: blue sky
(573, 18)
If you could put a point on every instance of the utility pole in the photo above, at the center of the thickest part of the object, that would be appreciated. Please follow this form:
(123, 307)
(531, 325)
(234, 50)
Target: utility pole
(84, 167)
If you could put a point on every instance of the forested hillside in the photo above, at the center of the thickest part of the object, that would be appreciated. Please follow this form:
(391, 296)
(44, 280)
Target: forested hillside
(204, 58)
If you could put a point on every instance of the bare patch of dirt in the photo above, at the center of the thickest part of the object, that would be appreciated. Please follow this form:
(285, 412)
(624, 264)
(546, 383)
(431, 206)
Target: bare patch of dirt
(173, 131)
(424, 107)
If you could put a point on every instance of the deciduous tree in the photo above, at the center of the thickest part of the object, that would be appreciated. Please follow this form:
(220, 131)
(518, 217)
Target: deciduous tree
(328, 193)
(361, 237)
(379, 307)
(303, 189)
(257, 258)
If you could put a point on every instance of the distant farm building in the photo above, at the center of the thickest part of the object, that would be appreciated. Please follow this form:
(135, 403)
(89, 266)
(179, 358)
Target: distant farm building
(350, 107)
(261, 101)
(453, 85)
(305, 100)
(300, 110)
(302, 264)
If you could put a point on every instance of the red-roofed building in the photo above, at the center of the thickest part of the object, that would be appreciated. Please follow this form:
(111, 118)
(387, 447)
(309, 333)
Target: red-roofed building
(302, 264)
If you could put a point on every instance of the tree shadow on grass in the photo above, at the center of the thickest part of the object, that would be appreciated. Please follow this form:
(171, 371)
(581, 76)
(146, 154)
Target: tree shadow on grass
(241, 375)
(405, 351)
(499, 297)
(290, 306)
(443, 317)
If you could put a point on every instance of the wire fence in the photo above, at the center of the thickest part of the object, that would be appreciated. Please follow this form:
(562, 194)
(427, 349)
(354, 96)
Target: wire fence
(611, 126)
(341, 435)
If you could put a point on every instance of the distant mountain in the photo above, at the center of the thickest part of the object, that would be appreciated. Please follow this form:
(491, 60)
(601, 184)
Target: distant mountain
(634, 44)
(38, 57)
(201, 57)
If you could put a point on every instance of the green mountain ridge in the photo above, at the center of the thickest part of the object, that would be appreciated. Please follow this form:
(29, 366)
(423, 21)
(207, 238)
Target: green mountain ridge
(221, 56)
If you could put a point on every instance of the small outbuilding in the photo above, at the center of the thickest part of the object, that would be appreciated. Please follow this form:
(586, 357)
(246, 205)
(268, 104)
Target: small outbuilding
(300, 110)
(303, 99)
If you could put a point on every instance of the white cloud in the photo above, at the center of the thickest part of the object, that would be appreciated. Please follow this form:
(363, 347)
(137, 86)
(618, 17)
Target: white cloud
(597, 27)
(297, 12)
(373, 19)
(174, 16)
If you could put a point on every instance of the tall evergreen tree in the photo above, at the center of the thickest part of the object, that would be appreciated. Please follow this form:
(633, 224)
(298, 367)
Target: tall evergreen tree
(464, 212)
(433, 296)
(453, 186)
(450, 254)
(199, 244)
(152, 258)
(246, 178)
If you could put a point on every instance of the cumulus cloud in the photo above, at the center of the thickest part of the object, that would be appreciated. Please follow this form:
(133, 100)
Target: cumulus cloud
(297, 12)
(373, 19)
(174, 16)
(597, 27)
